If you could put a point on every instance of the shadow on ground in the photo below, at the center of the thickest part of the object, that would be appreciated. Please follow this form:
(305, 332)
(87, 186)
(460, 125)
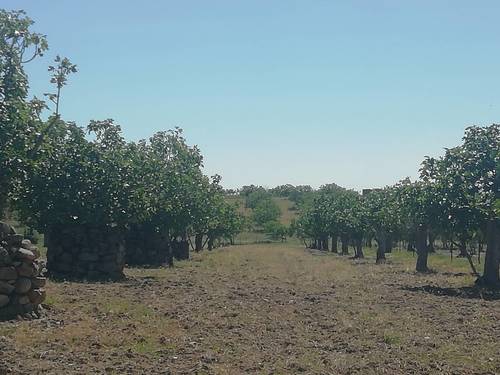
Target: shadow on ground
(467, 292)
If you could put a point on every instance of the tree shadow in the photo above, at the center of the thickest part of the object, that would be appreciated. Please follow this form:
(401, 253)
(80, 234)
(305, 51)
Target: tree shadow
(466, 292)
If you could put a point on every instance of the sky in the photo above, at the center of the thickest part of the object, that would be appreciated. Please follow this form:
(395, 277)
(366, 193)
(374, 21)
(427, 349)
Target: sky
(281, 91)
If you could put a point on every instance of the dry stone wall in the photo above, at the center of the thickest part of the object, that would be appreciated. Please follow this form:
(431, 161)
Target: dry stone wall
(144, 246)
(180, 249)
(21, 281)
(85, 252)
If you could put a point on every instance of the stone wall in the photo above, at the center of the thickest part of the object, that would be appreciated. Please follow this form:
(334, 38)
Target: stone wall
(21, 283)
(145, 246)
(180, 249)
(85, 252)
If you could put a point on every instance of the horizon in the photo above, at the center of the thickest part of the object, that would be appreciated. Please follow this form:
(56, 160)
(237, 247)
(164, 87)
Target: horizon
(353, 93)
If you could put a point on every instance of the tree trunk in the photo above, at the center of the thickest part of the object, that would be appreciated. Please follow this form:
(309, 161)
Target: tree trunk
(446, 245)
(462, 247)
(170, 255)
(422, 249)
(335, 248)
(198, 242)
(492, 258)
(381, 242)
(432, 239)
(359, 249)
(388, 245)
(345, 244)
(410, 246)
(324, 244)
(210, 243)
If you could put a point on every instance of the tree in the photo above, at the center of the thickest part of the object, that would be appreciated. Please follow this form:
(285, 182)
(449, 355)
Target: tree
(276, 230)
(383, 217)
(419, 206)
(265, 211)
(80, 182)
(254, 198)
(214, 218)
(468, 182)
(19, 45)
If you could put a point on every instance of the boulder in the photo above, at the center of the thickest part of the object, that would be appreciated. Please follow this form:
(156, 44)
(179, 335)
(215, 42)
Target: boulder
(15, 240)
(27, 269)
(38, 282)
(8, 273)
(6, 230)
(4, 300)
(6, 288)
(23, 285)
(36, 296)
(5, 258)
(25, 254)
(23, 300)
(26, 244)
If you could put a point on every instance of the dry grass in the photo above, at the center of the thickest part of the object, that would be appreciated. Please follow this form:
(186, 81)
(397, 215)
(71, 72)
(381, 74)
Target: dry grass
(265, 309)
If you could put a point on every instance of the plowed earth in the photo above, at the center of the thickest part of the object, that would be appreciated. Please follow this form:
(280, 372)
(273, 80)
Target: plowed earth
(264, 309)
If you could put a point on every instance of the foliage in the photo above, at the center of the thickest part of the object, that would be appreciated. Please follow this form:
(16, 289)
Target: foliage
(18, 46)
(276, 230)
(253, 199)
(265, 211)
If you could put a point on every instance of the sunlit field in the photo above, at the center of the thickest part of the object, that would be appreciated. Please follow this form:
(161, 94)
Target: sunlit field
(266, 308)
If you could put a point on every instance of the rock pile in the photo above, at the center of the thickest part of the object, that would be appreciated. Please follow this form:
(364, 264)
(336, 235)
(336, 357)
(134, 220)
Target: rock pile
(85, 252)
(21, 283)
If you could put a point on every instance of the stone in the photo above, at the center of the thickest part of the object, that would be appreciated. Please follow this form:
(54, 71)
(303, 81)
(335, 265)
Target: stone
(35, 251)
(37, 296)
(4, 300)
(27, 269)
(6, 288)
(6, 230)
(4, 257)
(23, 300)
(23, 285)
(28, 308)
(8, 273)
(26, 244)
(25, 254)
(15, 240)
(38, 282)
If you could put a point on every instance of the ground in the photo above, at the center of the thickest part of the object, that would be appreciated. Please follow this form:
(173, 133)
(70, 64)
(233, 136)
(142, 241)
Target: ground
(264, 309)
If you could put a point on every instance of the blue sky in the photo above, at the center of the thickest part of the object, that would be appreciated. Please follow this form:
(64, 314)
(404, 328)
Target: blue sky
(273, 92)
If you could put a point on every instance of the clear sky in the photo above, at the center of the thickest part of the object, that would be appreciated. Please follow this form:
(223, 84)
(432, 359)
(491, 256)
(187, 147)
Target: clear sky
(273, 92)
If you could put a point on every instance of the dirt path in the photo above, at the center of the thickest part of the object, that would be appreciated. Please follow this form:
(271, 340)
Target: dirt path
(270, 309)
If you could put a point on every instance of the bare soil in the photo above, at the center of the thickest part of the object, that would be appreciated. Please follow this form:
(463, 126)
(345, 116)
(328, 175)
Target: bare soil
(264, 309)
